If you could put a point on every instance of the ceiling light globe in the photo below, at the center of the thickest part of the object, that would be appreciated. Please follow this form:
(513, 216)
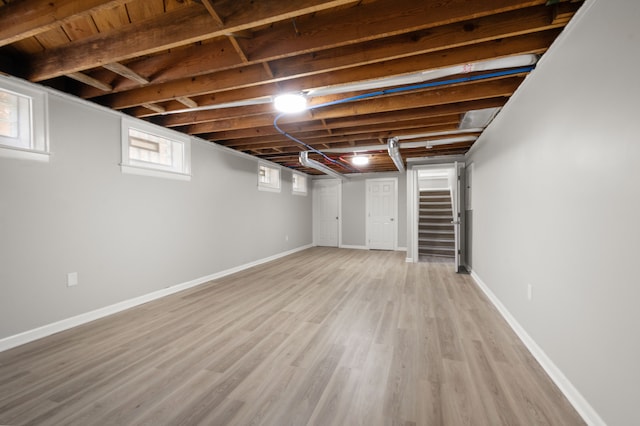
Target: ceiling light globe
(360, 160)
(290, 102)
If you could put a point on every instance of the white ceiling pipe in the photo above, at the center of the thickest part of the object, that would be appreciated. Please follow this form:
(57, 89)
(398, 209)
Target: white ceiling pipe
(401, 145)
(422, 76)
(450, 132)
(394, 153)
(308, 162)
(434, 142)
(478, 118)
(354, 149)
(436, 159)
(398, 80)
(245, 102)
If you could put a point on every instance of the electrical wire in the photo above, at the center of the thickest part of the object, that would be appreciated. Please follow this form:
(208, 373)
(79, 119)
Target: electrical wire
(401, 89)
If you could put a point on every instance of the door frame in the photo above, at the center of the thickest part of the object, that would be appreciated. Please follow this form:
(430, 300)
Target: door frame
(413, 194)
(459, 202)
(314, 200)
(395, 210)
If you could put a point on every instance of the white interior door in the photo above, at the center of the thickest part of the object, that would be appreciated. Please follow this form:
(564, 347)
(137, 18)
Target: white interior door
(326, 212)
(382, 208)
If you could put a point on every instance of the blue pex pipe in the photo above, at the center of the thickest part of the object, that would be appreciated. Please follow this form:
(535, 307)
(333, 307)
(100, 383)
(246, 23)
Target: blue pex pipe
(388, 92)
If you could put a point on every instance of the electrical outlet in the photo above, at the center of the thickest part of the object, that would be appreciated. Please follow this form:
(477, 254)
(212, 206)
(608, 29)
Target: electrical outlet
(72, 279)
(529, 291)
(286, 238)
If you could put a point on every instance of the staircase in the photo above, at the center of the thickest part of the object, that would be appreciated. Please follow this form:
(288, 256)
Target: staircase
(435, 230)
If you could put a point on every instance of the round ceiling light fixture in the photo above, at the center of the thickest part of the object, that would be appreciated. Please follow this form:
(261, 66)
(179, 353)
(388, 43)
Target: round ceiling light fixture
(290, 102)
(360, 160)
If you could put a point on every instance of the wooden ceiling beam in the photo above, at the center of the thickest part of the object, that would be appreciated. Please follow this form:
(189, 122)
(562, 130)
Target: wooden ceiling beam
(86, 79)
(199, 60)
(153, 107)
(408, 114)
(562, 13)
(509, 24)
(173, 120)
(458, 93)
(341, 141)
(27, 18)
(368, 21)
(230, 79)
(355, 133)
(300, 127)
(232, 36)
(348, 132)
(503, 87)
(188, 102)
(176, 28)
(267, 68)
(208, 4)
(535, 43)
(126, 72)
(255, 74)
(226, 113)
(240, 52)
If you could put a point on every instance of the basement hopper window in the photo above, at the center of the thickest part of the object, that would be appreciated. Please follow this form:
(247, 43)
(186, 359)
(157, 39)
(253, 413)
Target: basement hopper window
(23, 122)
(268, 178)
(299, 184)
(153, 151)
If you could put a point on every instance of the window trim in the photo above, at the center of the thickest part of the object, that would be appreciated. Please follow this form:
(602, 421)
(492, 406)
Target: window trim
(269, 187)
(129, 166)
(38, 125)
(306, 184)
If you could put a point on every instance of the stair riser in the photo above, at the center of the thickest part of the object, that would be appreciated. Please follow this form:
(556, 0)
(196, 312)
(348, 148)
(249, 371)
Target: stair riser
(440, 193)
(426, 238)
(435, 220)
(436, 253)
(437, 245)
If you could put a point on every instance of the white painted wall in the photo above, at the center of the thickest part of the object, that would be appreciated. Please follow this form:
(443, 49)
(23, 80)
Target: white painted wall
(556, 202)
(126, 235)
(433, 183)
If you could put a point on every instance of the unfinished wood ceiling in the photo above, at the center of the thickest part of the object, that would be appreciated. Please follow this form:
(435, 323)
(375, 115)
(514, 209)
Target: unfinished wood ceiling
(209, 68)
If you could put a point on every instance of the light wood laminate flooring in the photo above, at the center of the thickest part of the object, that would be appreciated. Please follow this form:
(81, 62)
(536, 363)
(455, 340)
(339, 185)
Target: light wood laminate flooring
(322, 337)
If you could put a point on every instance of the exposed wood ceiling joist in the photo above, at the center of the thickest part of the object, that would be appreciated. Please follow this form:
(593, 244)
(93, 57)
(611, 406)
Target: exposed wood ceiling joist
(167, 62)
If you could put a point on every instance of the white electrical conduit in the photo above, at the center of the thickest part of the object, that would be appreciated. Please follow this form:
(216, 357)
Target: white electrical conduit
(394, 153)
(450, 132)
(419, 77)
(401, 145)
(398, 80)
(245, 102)
(308, 162)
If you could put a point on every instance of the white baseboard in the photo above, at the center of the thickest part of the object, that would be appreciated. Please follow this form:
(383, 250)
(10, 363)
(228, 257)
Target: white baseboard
(65, 324)
(401, 249)
(409, 259)
(589, 415)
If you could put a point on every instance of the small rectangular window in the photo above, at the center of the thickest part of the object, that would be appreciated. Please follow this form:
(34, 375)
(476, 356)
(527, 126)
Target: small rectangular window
(10, 110)
(22, 122)
(299, 184)
(148, 150)
(268, 178)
